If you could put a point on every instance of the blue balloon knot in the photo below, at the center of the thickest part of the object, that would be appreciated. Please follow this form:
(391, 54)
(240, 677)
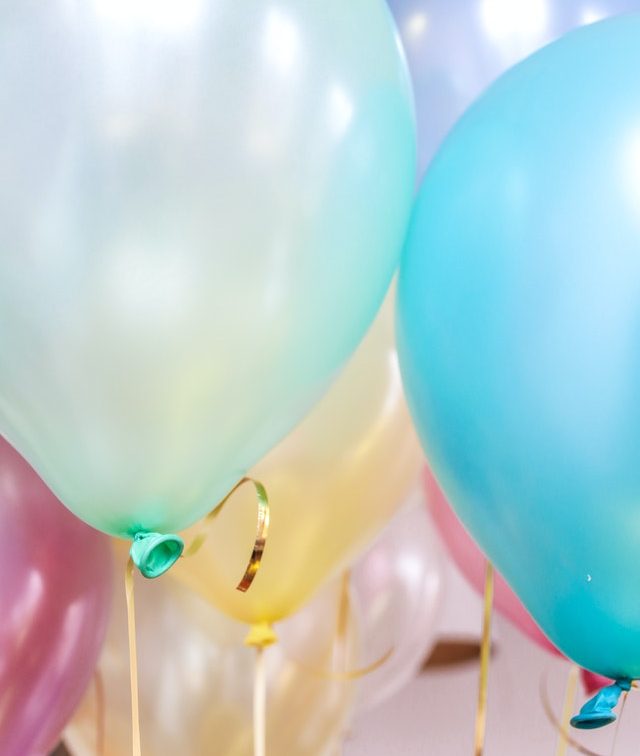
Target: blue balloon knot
(598, 711)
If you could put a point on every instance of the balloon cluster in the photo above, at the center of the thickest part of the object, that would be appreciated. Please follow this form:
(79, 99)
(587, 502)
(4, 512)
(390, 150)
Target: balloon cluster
(202, 206)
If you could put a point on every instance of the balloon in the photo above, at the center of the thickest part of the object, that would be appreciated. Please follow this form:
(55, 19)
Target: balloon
(518, 329)
(333, 484)
(472, 563)
(202, 205)
(196, 678)
(397, 590)
(54, 593)
(591, 682)
(456, 48)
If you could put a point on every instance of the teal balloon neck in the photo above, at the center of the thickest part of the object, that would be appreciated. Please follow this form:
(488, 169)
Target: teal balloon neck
(598, 711)
(153, 553)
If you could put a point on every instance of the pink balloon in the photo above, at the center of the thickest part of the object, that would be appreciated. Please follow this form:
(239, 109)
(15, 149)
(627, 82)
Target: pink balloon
(592, 682)
(472, 563)
(55, 594)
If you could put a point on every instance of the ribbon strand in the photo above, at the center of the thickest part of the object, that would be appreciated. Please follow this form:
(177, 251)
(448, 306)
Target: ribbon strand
(100, 713)
(260, 704)
(133, 660)
(548, 710)
(567, 709)
(615, 736)
(262, 531)
(485, 653)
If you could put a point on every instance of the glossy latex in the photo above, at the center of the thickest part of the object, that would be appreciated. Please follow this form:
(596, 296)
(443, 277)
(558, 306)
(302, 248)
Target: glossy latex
(55, 592)
(333, 484)
(519, 324)
(201, 207)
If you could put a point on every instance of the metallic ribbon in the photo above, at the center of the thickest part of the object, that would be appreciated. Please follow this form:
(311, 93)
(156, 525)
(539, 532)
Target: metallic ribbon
(567, 709)
(133, 659)
(260, 704)
(340, 655)
(564, 731)
(100, 713)
(244, 585)
(262, 532)
(485, 653)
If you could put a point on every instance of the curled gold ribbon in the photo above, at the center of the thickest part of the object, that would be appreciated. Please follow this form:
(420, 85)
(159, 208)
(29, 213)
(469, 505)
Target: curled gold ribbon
(133, 659)
(262, 532)
(485, 653)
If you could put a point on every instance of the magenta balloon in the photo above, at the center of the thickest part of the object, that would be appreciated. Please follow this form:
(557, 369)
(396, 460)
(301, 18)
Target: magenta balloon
(55, 594)
(592, 682)
(472, 563)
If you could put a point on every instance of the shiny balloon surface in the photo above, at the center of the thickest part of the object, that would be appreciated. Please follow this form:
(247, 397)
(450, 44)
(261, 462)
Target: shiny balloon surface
(202, 204)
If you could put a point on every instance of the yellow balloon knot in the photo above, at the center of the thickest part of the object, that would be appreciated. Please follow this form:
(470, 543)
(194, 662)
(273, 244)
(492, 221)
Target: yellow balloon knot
(261, 635)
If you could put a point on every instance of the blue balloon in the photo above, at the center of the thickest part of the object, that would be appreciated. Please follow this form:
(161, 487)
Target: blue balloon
(519, 335)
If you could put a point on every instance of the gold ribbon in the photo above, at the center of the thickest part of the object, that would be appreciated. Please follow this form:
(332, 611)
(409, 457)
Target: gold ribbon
(133, 659)
(622, 705)
(567, 709)
(260, 703)
(563, 728)
(251, 571)
(100, 713)
(485, 653)
(262, 531)
(340, 644)
(546, 705)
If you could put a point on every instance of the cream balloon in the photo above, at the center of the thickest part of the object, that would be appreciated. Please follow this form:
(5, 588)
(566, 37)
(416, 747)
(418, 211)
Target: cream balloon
(202, 204)
(333, 484)
(196, 681)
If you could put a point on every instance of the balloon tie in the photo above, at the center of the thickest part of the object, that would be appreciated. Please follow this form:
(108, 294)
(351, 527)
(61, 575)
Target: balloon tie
(485, 653)
(100, 713)
(154, 553)
(261, 635)
(569, 699)
(598, 711)
(133, 659)
(262, 532)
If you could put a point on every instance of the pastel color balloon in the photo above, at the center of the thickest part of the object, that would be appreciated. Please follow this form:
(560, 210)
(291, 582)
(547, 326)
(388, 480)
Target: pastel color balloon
(519, 313)
(333, 484)
(456, 48)
(201, 208)
(196, 681)
(55, 595)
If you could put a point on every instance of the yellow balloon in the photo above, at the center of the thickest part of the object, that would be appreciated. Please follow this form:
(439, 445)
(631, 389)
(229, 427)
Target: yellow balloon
(196, 681)
(333, 484)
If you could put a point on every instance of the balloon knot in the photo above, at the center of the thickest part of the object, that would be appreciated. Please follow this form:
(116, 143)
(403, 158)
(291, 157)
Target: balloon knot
(153, 553)
(598, 711)
(261, 635)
